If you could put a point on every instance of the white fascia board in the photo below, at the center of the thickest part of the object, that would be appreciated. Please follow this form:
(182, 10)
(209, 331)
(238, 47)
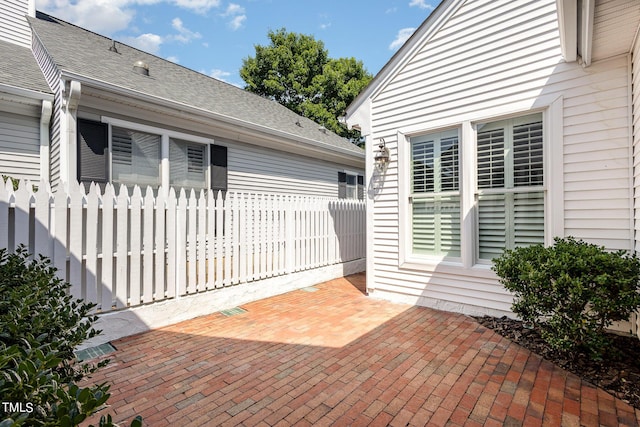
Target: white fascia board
(30, 96)
(568, 27)
(309, 144)
(432, 24)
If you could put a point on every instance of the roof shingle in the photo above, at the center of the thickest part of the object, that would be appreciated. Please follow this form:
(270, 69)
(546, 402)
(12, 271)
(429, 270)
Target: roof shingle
(82, 52)
(22, 70)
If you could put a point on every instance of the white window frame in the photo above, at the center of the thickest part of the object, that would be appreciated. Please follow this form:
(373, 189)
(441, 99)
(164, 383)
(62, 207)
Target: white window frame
(509, 187)
(165, 136)
(552, 117)
(352, 187)
(438, 192)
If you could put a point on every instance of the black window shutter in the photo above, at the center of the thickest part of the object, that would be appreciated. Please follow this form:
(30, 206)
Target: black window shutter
(360, 187)
(342, 185)
(218, 167)
(92, 152)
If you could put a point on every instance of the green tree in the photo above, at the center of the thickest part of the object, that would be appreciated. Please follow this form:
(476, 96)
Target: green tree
(296, 71)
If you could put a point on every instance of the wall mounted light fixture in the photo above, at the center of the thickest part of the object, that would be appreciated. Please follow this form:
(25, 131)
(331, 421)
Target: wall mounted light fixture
(381, 155)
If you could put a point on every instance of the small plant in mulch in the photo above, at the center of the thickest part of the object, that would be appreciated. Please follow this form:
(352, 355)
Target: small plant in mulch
(40, 326)
(571, 291)
(566, 297)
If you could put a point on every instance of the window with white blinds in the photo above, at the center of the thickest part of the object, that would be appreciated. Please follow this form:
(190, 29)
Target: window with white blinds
(435, 194)
(135, 157)
(510, 195)
(187, 164)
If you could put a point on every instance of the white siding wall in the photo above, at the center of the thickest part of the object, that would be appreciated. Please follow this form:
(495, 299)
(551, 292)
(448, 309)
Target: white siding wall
(254, 169)
(13, 25)
(20, 146)
(489, 60)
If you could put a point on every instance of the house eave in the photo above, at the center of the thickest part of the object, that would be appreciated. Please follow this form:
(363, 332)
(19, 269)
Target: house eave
(282, 138)
(24, 96)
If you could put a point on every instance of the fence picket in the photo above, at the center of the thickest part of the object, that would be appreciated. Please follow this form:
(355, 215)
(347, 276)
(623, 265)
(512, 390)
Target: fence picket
(228, 239)
(106, 288)
(159, 287)
(122, 247)
(22, 202)
(60, 233)
(91, 250)
(148, 237)
(172, 243)
(202, 242)
(181, 244)
(5, 203)
(210, 243)
(76, 234)
(217, 236)
(135, 245)
(42, 239)
(192, 244)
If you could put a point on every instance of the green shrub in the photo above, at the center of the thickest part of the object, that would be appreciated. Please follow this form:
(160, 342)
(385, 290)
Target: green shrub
(572, 291)
(40, 326)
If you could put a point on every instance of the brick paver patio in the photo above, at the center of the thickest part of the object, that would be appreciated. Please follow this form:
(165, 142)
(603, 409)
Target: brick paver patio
(328, 355)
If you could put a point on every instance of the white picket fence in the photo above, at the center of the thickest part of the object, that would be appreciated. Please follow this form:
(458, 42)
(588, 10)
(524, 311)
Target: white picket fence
(127, 248)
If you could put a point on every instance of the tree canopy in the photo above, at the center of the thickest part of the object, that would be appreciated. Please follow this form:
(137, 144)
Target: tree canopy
(296, 71)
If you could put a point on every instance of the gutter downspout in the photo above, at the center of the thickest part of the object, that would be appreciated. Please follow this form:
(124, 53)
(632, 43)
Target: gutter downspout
(69, 156)
(45, 120)
(586, 31)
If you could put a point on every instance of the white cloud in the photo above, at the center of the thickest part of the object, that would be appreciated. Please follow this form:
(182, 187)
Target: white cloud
(233, 9)
(199, 6)
(101, 16)
(110, 16)
(237, 22)
(422, 4)
(402, 36)
(237, 14)
(184, 34)
(147, 42)
(173, 59)
(219, 74)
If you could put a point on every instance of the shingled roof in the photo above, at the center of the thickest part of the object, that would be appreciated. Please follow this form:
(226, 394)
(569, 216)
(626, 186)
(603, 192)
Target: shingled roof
(22, 71)
(81, 52)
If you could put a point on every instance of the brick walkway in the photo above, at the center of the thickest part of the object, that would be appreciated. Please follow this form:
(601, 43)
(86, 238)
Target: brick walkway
(328, 355)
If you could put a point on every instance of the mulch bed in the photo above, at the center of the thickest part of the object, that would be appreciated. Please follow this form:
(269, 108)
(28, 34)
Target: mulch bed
(618, 372)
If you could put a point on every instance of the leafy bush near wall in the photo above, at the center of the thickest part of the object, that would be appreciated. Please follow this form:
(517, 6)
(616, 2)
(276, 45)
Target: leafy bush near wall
(572, 291)
(40, 326)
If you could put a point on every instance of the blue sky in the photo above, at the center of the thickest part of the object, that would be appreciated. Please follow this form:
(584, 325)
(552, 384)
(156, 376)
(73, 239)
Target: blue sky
(214, 36)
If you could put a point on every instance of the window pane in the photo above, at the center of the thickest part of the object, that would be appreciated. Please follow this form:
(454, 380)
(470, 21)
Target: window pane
(449, 164)
(493, 225)
(434, 163)
(436, 217)
(527, 154)
(528, 218)
(135, 157)
(510, 156)
(436, 226)
(187, 166)
(491, 159)
(422, 166)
